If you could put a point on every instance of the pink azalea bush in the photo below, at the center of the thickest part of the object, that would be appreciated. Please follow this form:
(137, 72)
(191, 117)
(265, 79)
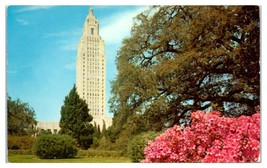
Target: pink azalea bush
(210, 138)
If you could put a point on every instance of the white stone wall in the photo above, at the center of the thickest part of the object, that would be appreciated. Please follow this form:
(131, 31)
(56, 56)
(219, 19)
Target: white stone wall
(53, 126)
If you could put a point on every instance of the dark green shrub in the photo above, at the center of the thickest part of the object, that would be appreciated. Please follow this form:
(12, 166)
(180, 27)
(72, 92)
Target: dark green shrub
(20, 142)
(135, 148)
(55, 146)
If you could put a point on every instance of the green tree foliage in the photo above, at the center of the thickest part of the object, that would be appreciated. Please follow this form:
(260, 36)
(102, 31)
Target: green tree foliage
(98, 129)
(182, 58)
(75, 119)
(104, 129)
(136, 146)
(24, 142)
(105, 144)
(99, 135)
(97, 132)
(21, 118)
(112, 133)
(120, 136)
(52, 146)
(42, 132)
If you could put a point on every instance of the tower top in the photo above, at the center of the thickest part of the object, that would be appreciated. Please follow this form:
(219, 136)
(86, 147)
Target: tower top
(91, 11)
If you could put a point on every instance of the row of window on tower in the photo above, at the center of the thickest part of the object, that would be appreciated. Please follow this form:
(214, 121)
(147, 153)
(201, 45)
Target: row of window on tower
(94, 70)
(93, 39)
(93, 50)
(93, 74)
(94, 113)
(95, 103)
(96, 107)
(92, 59)
(93, 54)
(93, 89)
(92, 45)
(95, 94)
(93, 67)
(92, 78)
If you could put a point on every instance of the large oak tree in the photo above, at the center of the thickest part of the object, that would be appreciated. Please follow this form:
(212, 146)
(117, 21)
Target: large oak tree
(179, 59)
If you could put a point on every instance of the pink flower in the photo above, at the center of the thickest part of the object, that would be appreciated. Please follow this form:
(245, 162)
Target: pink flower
(210, 138)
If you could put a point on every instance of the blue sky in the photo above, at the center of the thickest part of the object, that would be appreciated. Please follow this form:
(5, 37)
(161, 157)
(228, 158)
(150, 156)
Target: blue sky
(42, 48)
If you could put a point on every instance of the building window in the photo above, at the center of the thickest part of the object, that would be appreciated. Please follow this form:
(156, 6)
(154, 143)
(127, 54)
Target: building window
(92, 31)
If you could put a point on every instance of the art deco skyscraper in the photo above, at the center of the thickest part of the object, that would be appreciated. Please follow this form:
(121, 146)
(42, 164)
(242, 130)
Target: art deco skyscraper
(91, 70)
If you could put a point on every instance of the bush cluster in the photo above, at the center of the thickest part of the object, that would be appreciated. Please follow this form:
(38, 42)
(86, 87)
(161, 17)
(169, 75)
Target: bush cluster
(135, 148)
(20, 142)
(55, 146)
(210, 138)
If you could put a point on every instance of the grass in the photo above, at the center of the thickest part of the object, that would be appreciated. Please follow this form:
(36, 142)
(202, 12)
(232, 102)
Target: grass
(17, 158)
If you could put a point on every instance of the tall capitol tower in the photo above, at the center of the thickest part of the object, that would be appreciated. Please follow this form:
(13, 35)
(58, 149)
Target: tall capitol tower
(91, 71)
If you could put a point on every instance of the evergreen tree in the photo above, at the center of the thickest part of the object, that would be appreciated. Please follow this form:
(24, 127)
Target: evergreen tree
(98, 129)
(97, 132)
(104, 129)
(75, 119)
(95, 128)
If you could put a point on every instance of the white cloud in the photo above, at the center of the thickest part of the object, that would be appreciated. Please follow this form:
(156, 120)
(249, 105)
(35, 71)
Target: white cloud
(32, 8)
(22, 22)
(117, 27)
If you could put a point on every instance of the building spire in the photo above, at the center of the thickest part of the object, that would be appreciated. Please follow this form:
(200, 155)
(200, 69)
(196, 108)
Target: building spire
(91, 11)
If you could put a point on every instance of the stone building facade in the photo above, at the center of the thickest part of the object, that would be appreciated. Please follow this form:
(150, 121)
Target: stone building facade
(48, 125)
(91, 71)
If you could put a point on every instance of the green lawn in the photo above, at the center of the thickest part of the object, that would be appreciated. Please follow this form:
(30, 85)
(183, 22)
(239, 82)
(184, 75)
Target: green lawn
(14, 158)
